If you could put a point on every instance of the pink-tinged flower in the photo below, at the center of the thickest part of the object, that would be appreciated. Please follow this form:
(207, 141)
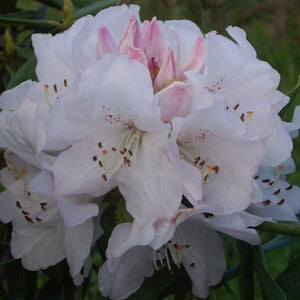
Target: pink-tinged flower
(193, 245)
(117, 139)
(40, 236)
(63, 57)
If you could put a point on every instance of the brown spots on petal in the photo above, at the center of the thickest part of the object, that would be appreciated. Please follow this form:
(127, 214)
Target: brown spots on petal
(28, 219)
(265, 180)
(281, 202)
(266, 202)
(43, 206)
(277, 192)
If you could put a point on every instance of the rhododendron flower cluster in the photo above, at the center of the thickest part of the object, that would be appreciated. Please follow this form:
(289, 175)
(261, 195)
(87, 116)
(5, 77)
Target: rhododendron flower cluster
(185, 126)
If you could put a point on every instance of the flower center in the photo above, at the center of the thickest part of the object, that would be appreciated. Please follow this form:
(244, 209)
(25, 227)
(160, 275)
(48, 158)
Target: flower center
(123, 154)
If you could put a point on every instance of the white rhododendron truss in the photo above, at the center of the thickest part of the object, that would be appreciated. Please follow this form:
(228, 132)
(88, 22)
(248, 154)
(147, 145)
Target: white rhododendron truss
(184, 126)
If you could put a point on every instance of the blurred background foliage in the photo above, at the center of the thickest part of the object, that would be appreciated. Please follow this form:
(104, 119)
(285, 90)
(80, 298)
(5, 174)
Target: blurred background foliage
(273, 28)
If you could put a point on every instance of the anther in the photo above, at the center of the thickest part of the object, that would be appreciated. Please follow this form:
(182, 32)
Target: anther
(65, 83)
(104, 177)
(289, 187)
(130, 152)
(236, 107)
(95, 158)
(113, 149)
(100, 145)
(43, 206)
(256, 177)
(265, 180)
(100, 164)
(55, 88)
(242, 117)
(25, 213)
(273, 183)
(192, 265)
(38, 219)
(216, 169)
(281, 202)
(18, 204)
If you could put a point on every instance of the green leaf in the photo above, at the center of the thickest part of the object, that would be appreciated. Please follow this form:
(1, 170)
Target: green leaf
(94, 8)
(157, 284)
(270, 289)
(53, 3)
(292, 94)
(28, 22)
(246, 279)
(27, 71)
(278, 242)
(289, 281)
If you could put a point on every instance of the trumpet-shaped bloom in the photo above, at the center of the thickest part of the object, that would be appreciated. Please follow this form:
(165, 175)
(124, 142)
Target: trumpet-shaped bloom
(40, 236)
(194, 246)
(123, 145)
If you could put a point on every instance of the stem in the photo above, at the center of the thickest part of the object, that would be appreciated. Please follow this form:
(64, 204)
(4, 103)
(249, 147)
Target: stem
(246, 279)
(284, 228)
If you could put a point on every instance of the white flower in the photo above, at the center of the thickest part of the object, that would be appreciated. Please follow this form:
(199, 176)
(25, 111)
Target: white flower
(196, 247)
(117, 139)
(40, 236)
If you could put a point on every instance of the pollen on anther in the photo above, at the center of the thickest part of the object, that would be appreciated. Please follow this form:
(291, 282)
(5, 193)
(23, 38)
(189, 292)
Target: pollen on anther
(104, 177)
(18, 204)
(100, 145)
(95, 158)
(25, 213)
(130, 152)
(281, 202)
(65, 83)
(113, 149)
(38, 219)
(265, 180)
(242, 117)
(236, 107)
(55, 88)
(100, 163)
(289, 187)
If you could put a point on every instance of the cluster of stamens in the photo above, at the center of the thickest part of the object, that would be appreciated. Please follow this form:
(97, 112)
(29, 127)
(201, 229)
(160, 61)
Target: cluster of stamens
(201, 163)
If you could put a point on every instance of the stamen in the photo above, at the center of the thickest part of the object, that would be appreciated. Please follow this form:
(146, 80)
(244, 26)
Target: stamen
(242, 117)
(273, 183)
(207, 171)
(248, 118)
(47, 94)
